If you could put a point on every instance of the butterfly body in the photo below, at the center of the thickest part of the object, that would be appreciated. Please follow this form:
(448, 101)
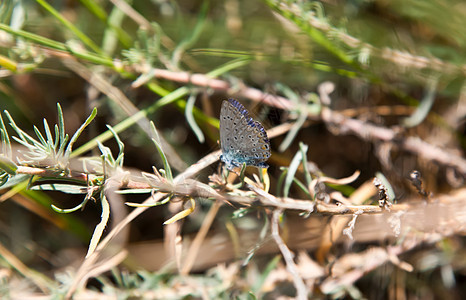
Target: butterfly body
(242, 139)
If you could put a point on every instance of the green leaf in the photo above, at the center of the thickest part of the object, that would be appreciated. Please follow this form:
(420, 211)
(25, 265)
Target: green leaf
(6, 144)
(69, 210)
(424, 107)
(14, 182)
(388, 186)
(78, 132)
(303, 114)
(28, 141)
(291, 173)
(49, 136)
(192, 37)
(8, 165)
(39, 135)
(61, 129)
(156, 140)
(121, 147)
(190, 119)
(303, 148)
(61, 187)
(134, 191)
(84, 38)
(258, 283)
(99, 229)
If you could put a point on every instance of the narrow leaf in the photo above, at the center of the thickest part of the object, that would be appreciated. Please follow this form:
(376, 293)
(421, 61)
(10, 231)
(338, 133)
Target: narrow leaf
(40, 136)
(190, 119)
(22, 135)
(99, 229)
(424, 107)
(69, 210)
(121, 147)
(291, 173)
(61, 128)
(48, 134)
(156, 141)
(64, 188)
(182, 214)
(79, 131)
(303, 148)
(294, 130)
(6, 144)
(8, 165)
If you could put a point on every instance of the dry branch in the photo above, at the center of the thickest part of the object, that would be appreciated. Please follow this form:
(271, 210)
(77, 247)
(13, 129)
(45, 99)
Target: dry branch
(420, 223)
(344, 125)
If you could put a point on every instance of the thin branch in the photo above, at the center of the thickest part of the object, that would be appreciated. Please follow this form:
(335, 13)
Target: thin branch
(199, 239)
(362, 129)
(194, 188)
(92, 259)
(370, 132)
(301, 289)
(222, 85)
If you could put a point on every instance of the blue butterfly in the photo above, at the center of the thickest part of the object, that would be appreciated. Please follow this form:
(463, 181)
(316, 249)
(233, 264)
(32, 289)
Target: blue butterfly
(242, 139)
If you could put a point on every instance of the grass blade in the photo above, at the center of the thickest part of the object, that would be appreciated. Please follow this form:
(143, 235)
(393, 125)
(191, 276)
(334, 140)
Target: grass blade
(291, 173)
(190, 119)
(166, 166)
(84, 38)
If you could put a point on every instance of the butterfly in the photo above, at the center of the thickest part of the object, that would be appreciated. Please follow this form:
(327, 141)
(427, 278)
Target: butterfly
(242, 139)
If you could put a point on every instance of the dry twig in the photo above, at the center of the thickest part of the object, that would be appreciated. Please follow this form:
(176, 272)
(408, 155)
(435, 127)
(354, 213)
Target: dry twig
(301, 288)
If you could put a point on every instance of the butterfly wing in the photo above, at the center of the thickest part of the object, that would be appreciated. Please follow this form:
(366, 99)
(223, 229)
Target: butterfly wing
(242, 139)
(253, 144)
